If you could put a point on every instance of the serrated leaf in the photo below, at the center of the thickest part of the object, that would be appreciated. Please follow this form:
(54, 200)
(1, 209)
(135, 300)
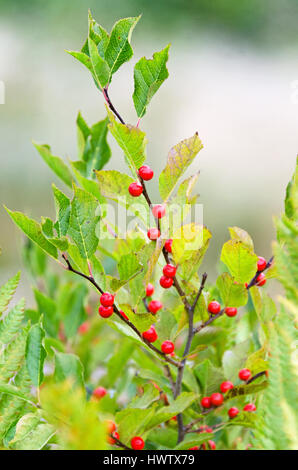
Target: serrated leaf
(7, 291)
(63, 211)
(128, 266)
(149, 74)
(13, 356)
(101, 70)
(241, 261)
(37, 438)
(14, 391)
(11, 323)
(150, 395)
(35, 354)
(56, 164)
(232, 293)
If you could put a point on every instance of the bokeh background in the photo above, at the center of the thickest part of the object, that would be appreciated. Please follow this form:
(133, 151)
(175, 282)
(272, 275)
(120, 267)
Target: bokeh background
(233, 78)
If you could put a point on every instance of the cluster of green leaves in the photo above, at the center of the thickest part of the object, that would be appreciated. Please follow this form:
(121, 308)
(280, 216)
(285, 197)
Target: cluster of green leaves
(140, 400)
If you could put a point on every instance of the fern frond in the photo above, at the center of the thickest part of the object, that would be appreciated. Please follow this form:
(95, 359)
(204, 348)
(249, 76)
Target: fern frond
(13, 356)
(11, 323)
(7, 291)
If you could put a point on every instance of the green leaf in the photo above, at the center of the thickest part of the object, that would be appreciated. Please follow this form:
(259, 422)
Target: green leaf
(83, 222)
(128, 266)
(179, 158)
(101, 70)
(241, 261)
(7, 291)
(246, 420)
(234, 359)
(232, 293)
(37, 438)
(209, 377)
(69, 366)
(35, 354)
(33, 231)
(149, 75)
(119, 50)
(56, 164)
(13, 356)
(241, 235)
(132, 422)
(83, 58)
(150, 395)
(47, 308)
(191, 441)
(63, 211)
(11, 323)
(14, 391)
(131, 140)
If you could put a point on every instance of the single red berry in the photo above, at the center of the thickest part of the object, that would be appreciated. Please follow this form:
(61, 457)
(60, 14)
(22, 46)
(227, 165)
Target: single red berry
(174, 418)
(123, 314)
(261, 264)
(137, 443)
(231, 311)
(233, 412)
(105, 312)
(246, 285)
(225, 386)
(244, 374)
(150, 335)
(261, 279)
(168, 245)
(206, 402)
(153, 233)
(214, 307)
(166, 282)
(111, 440)
(169, 270)
(135, 189)
(212, 445)
(83, 328)
(107, 299)
(99, 392)
(167, 347)
(216, 399)
(111, 426)
(194, 448)
(149, 290)
(250, 407)
(159, 211)
(154, 306)
(146, 173)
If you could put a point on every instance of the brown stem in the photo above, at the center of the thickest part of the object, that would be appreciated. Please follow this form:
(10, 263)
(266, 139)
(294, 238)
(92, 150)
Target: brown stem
(111, 106)
(253, 282)
(118, 443)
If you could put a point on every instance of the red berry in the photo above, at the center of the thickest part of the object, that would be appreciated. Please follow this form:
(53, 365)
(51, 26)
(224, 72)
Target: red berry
(216, 399)
(246, 285)
(83, 328)
(168, 245)
(166, 282)
(150, 335)
(174, 418)
(225, 386)
(154, 306)
(107, 299)
(153, 233)
(123, 314)
(194, 448)
(159, 211)
(261, 279)
(206, 402)
(250, 407)
(105, 312)
(169, 270)
(137, 443)
(111, 440)
(135, 189)
(167, 347)
(149, 290)
(261, 264)
(231, 311)
(111, 427)
(146, 173)
(99, 392)
(214, 307)
(244, 374)
(212, 445)
(233, 412)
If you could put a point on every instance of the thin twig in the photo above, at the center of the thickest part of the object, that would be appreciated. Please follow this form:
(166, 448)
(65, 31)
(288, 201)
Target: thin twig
(204, 278)
(110, 104)
(253, 282)
(118, 443)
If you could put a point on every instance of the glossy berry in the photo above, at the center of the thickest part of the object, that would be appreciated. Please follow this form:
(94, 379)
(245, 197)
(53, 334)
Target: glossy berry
(107, 299)
(135, 189)
(149, 290)
(225, 386)
(83, 328)
(150, 335)
(206, 402)
(146, 173)
(153, 233)
(159, 211)
(233, 412)
(169, 270)
(212, 445)
(154, 306)
(166, 282)
(244, 374)
(123, 314)
(194, 448)
(231, 311)
(261, 279)
(105, 312)
(168, 245)
(111, 440)
(214, 307)
(216, 399)
(250, 407)
(99, 392)
(137, 443)
(167, 347)
(261, 264)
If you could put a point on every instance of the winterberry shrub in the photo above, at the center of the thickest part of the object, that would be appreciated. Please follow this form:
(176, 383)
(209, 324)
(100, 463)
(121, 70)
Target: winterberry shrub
(174, 360)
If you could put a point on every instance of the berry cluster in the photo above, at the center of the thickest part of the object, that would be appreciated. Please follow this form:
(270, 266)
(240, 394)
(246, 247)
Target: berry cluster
(106, 307)
(211, 444)
(214, 308)
(137, 443)
(169, 272)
